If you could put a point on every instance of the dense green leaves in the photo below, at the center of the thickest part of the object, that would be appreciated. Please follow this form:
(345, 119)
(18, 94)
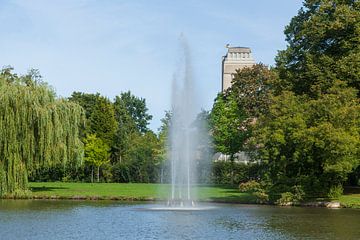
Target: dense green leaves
(227, 121)
(96, 153)
(324, 46)
(36, 130)
(252, 87)
(121, 127)
(102, 121)
(305, 113)
(136, 108)
(314, 143)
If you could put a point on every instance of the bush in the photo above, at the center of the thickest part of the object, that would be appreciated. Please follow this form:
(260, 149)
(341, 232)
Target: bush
(298, 193)
(335, 191)
(261, 197)
(250, 186)
(294, 197)
(256, 189)
(227, 172)
(121, 172)
(106, 174)
(287, 198)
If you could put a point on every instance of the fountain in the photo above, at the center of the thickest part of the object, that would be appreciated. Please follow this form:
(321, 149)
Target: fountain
(183, 134)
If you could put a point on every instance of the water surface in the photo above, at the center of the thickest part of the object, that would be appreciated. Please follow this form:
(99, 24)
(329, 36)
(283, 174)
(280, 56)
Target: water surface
(39, 219)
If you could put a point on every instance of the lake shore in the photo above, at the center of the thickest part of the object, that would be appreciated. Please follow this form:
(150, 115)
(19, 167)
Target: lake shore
(159, 192)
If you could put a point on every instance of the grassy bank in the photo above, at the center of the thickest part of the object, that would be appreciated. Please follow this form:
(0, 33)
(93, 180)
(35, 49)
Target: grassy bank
(132, 191)
(351, 197)
(143, 191)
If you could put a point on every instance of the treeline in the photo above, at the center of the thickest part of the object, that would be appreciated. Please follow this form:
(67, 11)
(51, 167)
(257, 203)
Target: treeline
(299, 121)
(118, 145)
(83, 138)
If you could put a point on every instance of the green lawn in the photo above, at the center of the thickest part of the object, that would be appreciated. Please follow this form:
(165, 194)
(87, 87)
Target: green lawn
(143, 191)
(351, 198)
(132, 191)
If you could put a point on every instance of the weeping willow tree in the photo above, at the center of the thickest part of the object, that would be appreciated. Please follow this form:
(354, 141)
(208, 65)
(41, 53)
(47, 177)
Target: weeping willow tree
(37, 129)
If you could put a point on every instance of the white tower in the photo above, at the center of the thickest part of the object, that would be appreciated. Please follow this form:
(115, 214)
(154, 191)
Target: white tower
(236, 58)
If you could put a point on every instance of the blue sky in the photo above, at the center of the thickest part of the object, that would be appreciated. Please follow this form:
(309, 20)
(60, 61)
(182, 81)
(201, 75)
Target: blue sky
(113, 46)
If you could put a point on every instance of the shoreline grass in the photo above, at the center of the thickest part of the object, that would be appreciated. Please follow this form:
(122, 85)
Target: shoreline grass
(154, 192)
(132, 192)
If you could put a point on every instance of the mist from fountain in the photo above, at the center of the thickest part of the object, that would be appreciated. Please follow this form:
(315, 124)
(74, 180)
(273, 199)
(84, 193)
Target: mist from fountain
(183, 133)
(187, 139)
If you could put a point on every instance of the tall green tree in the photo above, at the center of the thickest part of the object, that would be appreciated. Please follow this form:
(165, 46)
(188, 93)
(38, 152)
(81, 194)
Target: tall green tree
(252, 87)
(126, 128)
(132, 117)
(100, 115)
(85, 100)
(226, 121)
(323, 46)
(309, 137)
(141, 159)
(136, 108)
(228, 124)
(36, 129)
(97, 153)
(102, 120)
(312, 143)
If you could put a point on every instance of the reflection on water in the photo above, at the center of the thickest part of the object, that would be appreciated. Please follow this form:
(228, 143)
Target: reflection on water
(39, 219)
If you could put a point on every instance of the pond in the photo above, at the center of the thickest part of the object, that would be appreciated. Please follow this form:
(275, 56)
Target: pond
(40, 219)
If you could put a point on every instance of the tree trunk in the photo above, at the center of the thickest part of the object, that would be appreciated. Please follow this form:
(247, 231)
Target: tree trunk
(98, 173)
(92, 174)
(232, 169)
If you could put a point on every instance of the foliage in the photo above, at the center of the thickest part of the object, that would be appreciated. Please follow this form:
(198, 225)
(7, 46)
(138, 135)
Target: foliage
(100, 115)
(256, 189)
(126, 127)
(227, 172)
(96, 153)
(61, 172)
(136, 108)
(132, 118)
(323, 47)
(314, 143)
(261, 196)
(204, 149)
(102, 121)
(335, 191)
(141, 158)
(36, 129)
(354, 177)
(287, 198)
(293, 197)
(252, 87)
(87, 101)
(250, 186)
(226, 121)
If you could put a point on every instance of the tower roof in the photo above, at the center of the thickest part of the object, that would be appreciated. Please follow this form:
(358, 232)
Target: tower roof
(239, 50)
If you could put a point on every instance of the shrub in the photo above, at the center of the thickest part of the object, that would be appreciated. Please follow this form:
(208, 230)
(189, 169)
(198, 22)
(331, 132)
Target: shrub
(250, 186)
(335, 191)
(291, 198)
(298, 193)
(287, 198)
(227, 172)
(261, 197)
(256, 189)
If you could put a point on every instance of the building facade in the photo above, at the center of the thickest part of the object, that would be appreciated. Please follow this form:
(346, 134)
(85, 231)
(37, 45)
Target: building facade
(235, 58)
